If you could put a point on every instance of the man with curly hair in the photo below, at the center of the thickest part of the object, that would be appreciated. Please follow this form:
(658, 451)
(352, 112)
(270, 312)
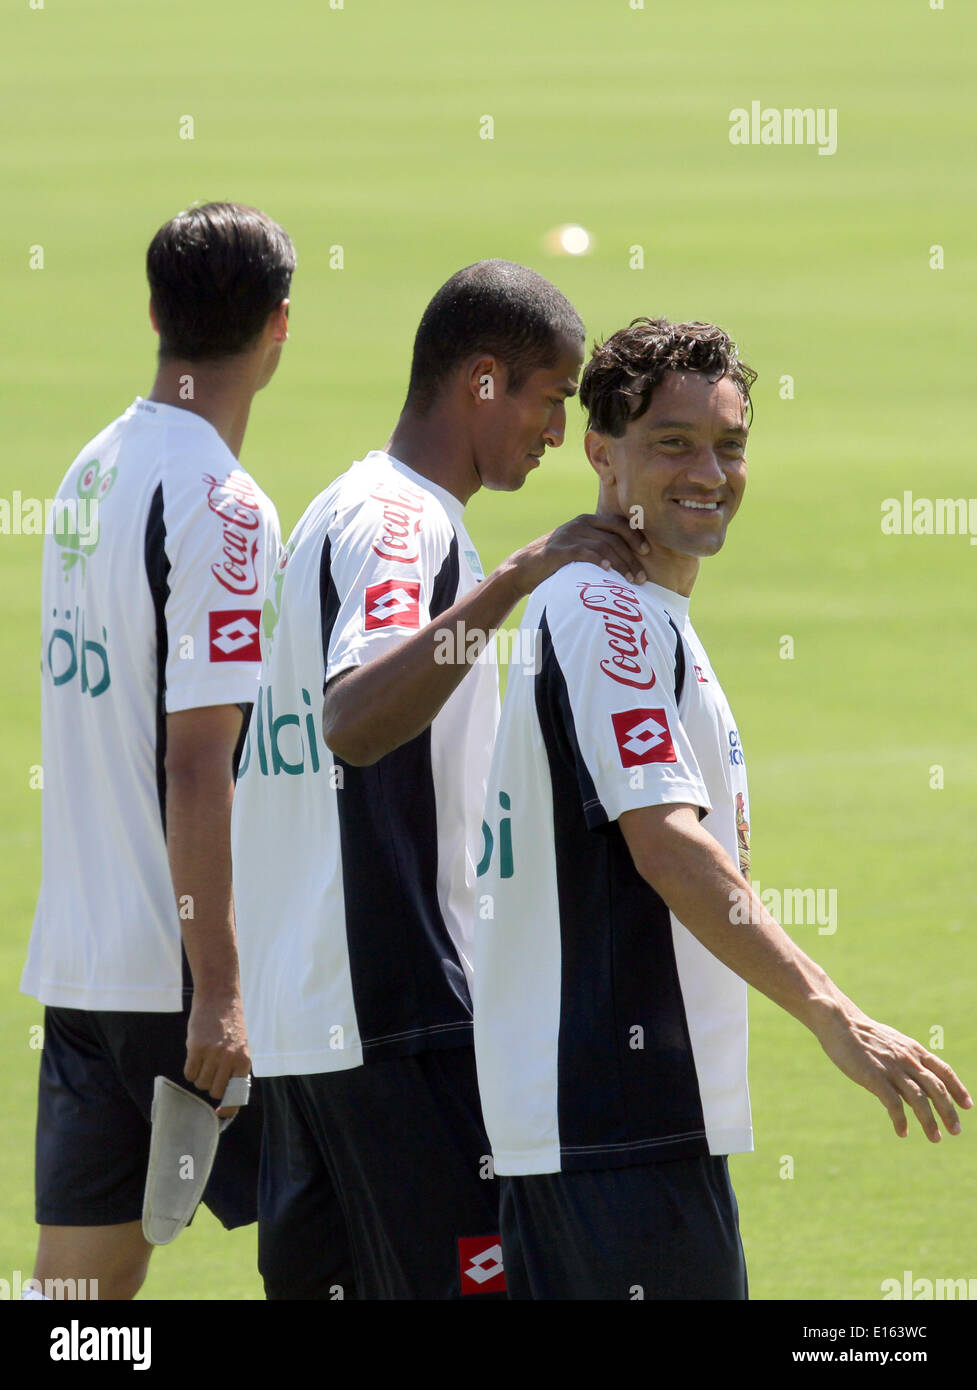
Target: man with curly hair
(611, 974)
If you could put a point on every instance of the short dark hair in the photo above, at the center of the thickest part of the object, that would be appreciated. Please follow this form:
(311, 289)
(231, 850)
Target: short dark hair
(496, 307)
(619, 379)
(215, 274)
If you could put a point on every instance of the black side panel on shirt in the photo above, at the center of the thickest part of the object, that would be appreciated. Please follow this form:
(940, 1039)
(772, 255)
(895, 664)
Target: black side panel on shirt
(679, 661)
(628, 1091)
(409, 987)
(158, 573)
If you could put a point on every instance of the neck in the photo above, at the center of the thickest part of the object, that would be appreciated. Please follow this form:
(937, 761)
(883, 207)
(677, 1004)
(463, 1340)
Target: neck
(434, 446)
(671, 569)
(221, 394)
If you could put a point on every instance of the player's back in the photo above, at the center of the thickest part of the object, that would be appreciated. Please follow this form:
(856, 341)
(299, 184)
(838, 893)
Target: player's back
(153, 579)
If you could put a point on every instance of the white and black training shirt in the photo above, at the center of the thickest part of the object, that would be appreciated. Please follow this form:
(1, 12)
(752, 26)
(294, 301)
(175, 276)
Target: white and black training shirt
(605, 1033)
(354, 887)
(154, 575)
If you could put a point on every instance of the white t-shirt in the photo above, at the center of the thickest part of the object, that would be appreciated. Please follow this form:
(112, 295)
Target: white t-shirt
(605, 1033)
(354, 887)
(151, 605)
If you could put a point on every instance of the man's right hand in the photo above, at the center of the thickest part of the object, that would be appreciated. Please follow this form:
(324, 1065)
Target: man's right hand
(895, 1068)
(608, 541)
(217, 1045)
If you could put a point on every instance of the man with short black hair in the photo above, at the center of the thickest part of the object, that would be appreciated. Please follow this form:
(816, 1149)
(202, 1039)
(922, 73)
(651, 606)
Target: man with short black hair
(355, 880)
(610, 978)
(150, 660)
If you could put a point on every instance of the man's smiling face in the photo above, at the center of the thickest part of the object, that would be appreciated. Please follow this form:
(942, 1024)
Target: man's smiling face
(683, 463)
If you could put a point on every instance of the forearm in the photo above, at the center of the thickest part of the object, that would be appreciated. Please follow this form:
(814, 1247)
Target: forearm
(702, 886)
(381, 705)
(198, 814)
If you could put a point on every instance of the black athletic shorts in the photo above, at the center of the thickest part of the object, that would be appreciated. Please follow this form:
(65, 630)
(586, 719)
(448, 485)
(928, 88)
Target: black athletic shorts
(667, 1230)
(93, 1120)
(376, 1183)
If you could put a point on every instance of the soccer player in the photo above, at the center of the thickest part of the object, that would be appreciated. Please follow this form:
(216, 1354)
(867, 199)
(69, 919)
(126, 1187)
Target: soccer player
(150, 660)
(354, 878)
(610, 975)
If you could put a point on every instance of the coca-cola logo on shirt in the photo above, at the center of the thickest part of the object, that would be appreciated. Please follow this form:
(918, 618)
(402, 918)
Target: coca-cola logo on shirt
(233, 500)
(397, 539)
(627, 636)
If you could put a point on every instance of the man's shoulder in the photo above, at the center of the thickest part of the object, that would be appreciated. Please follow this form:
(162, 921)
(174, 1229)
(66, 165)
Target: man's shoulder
(595, 617)
(582, 588)
(374, 508)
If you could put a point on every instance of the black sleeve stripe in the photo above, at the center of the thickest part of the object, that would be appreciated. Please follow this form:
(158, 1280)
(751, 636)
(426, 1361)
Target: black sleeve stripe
(328, 603)
(445, 588)
(158, 573)
(679, 661)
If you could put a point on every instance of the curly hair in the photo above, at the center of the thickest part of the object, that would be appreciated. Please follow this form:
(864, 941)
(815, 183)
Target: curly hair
(618, 381)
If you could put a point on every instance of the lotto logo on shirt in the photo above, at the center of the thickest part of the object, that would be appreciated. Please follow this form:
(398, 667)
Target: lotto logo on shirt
(643, 736)
(234, 635)
(394, 603)
(480, 1262)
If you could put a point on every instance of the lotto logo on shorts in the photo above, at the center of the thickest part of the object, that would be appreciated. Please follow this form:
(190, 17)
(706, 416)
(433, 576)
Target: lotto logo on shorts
(480, 1262)
(234, 635)
(394, 603)
(643, 736)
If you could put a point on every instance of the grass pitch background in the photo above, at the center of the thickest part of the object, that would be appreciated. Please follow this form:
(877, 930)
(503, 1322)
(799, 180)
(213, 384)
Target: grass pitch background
(359, 128)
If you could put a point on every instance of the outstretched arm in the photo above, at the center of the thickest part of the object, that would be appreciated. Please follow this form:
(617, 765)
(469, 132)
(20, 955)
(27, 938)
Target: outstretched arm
(695, 876)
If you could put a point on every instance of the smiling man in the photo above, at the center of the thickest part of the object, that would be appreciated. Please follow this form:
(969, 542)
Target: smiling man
(611, 972)
(354, 879)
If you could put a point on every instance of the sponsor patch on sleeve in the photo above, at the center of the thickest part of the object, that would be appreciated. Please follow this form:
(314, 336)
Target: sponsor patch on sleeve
(393, 603)
(643, 736)
(234, 634)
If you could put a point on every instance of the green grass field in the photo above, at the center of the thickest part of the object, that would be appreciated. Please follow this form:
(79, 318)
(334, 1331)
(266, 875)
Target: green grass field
(359, 128)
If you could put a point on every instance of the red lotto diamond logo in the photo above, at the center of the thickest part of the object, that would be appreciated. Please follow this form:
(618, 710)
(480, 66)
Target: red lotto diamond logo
(480, 1262)
(394, 603)
(234, 635)
(643, 737)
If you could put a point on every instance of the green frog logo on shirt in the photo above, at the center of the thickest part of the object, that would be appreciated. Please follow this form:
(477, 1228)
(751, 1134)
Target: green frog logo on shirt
(79, 542)
(271, 611)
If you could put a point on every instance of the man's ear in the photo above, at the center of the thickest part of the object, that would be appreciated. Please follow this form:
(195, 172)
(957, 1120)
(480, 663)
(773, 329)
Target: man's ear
(597, 450)
(279, 317)
(486, 379)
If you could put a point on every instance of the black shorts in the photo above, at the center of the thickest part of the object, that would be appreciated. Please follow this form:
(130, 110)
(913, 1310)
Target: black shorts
(93, 1120)
(376, 1182)
(666, 1230)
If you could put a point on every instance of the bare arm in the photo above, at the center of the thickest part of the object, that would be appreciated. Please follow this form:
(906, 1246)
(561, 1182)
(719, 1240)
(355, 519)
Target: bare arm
(200, 747)
(373, 709)
(695, 876)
